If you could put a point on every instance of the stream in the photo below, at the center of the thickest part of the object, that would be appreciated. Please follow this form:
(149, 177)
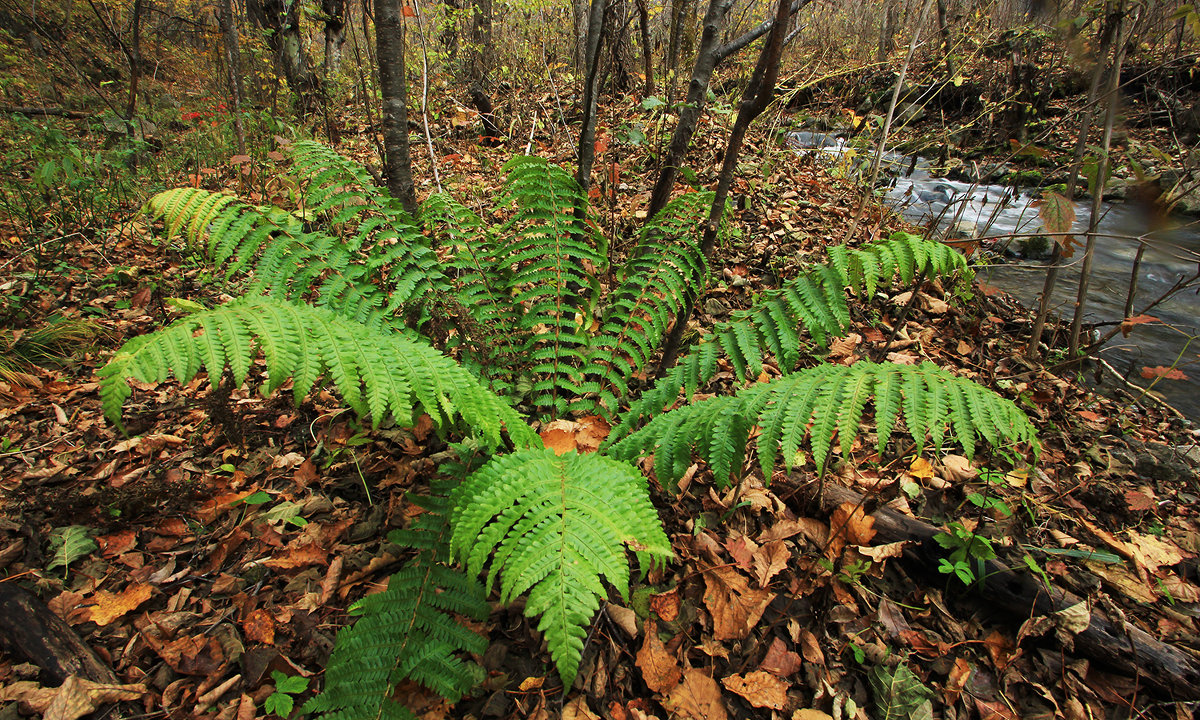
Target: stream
(961, 209)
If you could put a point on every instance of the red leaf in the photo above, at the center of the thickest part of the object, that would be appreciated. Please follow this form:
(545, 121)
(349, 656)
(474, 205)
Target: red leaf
(1160, 371)
(408, 12)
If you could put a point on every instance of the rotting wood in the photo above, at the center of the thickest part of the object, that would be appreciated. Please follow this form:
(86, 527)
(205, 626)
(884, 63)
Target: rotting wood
(31, 631)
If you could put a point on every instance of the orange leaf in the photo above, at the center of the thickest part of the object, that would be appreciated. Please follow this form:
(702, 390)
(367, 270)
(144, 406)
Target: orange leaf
(1128, 323)
(259, 626)
(110, 606)
(1168, 373)
(659, 668)
(697, 697)
(559, 440)
(408, 12)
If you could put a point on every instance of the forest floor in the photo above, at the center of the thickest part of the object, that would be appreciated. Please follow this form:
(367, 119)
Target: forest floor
(221, 543)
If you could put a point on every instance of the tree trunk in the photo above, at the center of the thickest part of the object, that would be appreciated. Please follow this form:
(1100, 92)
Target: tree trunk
(675, 34)
(334, 14)
(483, 45)
(647, 50)
(449, 34)
(233, 78)
(708, 57)
(755, 98)
(887, 30)
(397, 161)
(580, 14)
(1110, 113)
(591, 87)
(135, 61)
(282, 19)
(29, 631)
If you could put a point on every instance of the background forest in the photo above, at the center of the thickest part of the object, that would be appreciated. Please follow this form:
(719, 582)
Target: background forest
(619, 359)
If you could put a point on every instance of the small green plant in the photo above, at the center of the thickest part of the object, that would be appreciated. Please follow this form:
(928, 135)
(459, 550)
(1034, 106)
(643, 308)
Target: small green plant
(968, 551)
(985, 500)
(281, 702)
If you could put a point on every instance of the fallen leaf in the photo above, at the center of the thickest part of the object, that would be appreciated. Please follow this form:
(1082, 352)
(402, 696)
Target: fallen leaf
(1137, 501)
(578, 709)
(879, 553)
(769, 560)
(73, 699)
(1153, 553)
(779, 660)
(1166, 373)
(735, 607)
(297, 557)
(110, 606)
(849, 525)
(116, 543)
(593, 430)
(810, 648)
(697, 697)
(810, 714)
(1179, 589)
(659, 668)
(259, 627)
(666, 604)
(958, 469)
(760, 689)
(559, 440)
(1128, 323)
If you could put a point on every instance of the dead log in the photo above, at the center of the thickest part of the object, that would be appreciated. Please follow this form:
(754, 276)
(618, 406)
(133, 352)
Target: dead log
(31, 632)
(61, 112)
(1165, 668)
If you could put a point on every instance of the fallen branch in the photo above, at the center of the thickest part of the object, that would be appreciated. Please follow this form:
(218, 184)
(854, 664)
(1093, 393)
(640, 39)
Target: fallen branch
(61, 112)
(1167, 669)
(30, 631)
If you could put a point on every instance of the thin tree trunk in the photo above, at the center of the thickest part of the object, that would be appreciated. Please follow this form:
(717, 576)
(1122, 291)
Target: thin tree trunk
(709, 55)
(647, 50)
(591, 88)
(233, 78)
(755, 98)
(397, 161)
(580, 14)
(675, 33)
(1110, 113)
(1085, 128)
(135, 60)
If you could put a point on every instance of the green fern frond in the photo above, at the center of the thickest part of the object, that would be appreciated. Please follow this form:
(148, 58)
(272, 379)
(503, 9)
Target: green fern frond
(555, 527)
(554, 251)
(409, 631)
(822, 404)
(377, 372)
(666, 265)
(815, 301)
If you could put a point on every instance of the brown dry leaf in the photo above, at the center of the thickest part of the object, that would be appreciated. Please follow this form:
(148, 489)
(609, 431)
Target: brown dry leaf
(188, 655)
(300, 556)
(760, 689)
(843, 348)
(73, 699)
(879, 553)
(809, 714)
(734, 605)
(1153, 553)
(1124, 580)
(110, 606)
(779, 660)
(659, 668)
(697, 697)
(1179, 589)
(666, 604)
(741, 549)
(259, 627)
(849, 525)
(810, 648)
(769, 560)
(956, 680)
(578, 709)
(1139, 501)
(958, 469)
(116, 543)
(593, 430)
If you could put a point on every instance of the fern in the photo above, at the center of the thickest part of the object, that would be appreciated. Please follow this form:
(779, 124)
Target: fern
(377, 372)
(555, 527)
(815, 300)
(408, 631)
(824, 404)
(662, 269)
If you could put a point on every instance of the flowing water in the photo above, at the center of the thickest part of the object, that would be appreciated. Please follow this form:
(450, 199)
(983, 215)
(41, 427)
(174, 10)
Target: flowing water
(994, 212)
